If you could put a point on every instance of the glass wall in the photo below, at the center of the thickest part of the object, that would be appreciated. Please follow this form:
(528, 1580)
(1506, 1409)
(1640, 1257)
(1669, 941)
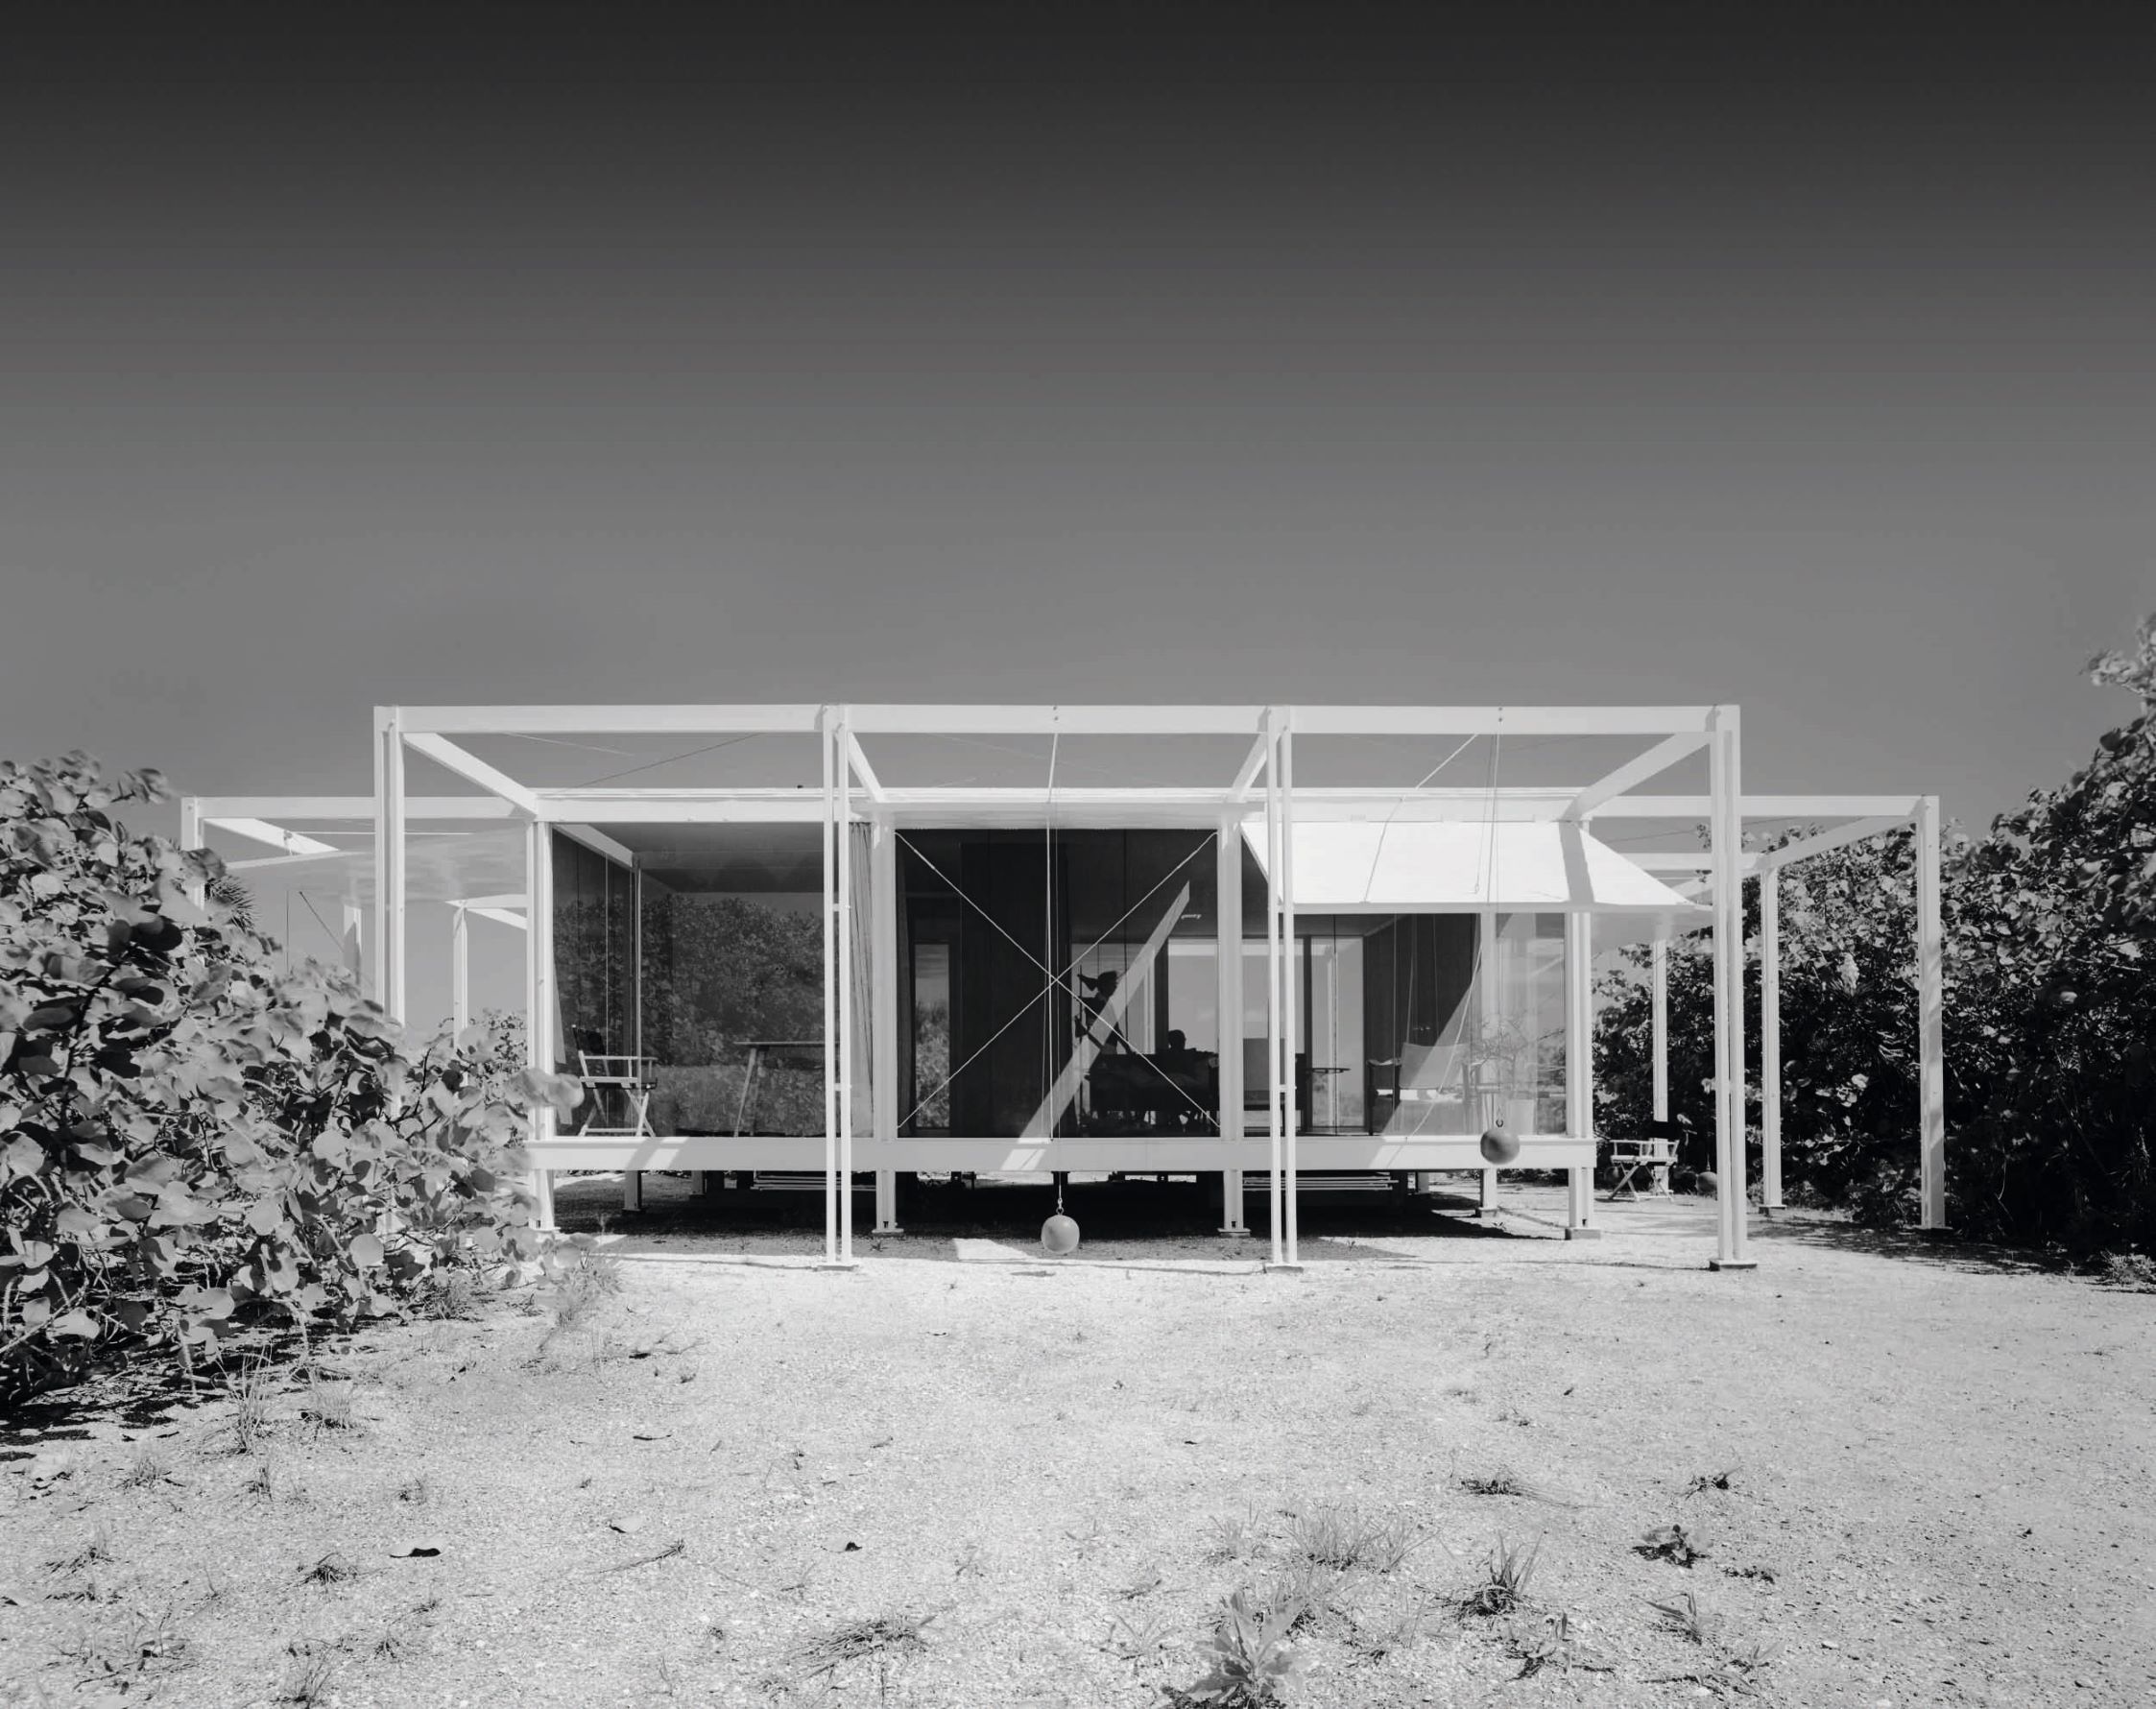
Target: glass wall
(1057, 984)
(594, 953)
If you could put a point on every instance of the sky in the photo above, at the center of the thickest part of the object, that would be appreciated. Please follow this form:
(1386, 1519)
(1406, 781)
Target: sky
(538, 355)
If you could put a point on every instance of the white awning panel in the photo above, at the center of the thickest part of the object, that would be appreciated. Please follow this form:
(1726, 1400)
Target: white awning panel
(1427, 866)
(437, 868)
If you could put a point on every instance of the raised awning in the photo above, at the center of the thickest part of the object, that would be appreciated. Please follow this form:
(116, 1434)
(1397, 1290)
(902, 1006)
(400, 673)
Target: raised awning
(1451, 866)
(437, 867)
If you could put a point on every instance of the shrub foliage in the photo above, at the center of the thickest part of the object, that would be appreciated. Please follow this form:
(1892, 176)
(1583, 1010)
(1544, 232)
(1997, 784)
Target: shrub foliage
(2050, 1011)
(189, 1134)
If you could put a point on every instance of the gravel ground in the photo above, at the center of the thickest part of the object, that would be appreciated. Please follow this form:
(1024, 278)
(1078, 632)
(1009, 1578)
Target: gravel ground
(1939, 1470)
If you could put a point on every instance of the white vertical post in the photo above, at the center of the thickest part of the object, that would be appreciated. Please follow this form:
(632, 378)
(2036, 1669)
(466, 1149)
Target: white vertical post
(1725, 849)
(1579, 1069)
(539, 993)
(831, 999)
(389, 862)
(1657, 976)
(843, 835)
(460, 971)
(1770, 1038)
(1486, 1019)
(1291, 983)
(1930, 982)
(1273, 972)
(883, 1010)
(1227, 951)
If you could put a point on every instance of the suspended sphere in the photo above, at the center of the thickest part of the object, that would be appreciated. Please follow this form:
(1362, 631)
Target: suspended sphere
(1059, 1234)
(1500, 1143)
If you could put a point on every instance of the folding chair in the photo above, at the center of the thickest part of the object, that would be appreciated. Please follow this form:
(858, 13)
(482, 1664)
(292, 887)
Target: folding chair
(1654, 1151)
(625, 1084)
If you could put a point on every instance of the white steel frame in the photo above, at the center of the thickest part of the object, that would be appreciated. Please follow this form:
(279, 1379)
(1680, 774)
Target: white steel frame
(852, 793)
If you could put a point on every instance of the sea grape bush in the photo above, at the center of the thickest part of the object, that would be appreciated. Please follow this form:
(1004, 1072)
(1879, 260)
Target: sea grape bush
(2050, 1011)
(190, 1134)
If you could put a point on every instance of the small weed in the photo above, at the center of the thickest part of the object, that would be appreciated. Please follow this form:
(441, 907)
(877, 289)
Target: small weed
(331, 1569)
(307, 1678)
(451, 1295)
(146, 1470)
(1670, 1543)
(881, 1642)
(1496, 1484)
(1252, 1662)
(143, 1643)
(1335, 1534)
(1707, 1481)
(1229, 1538)
(1372, 1645)
(1683, 1617)
(1555, 1646)
(1514, 1415)
(1765, 1575)
(418, 1492)
(1735, 1673)
(1505, 1577)
(1135, 1637)
(261, 1481)
(2135, 1271)
(251, 1395)
(328, 1405)
(95, 1551)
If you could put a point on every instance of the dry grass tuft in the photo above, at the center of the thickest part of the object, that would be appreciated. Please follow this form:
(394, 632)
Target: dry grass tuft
(307, 1676)
(881, 1640)
(252, 1395)
(331, 1569)
(1505, 1577)
(146, 1470)
(1341, 1536)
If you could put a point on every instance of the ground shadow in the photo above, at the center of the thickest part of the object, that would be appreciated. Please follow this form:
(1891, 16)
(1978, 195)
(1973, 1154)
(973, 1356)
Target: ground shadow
(1118, 1220)
(1941, 1249)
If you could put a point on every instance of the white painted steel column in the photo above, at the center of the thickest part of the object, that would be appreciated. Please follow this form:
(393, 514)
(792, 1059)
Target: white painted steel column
(883, 1010)
(1725, 847)
(823, 723)
(1486, 1016)
(1291, 984)
(1228, 951)
(1930, 985)
(389, 862)
(539, 993)
(843, 842)
(1770, 1038)
(1658, 989)
(1579, 1069)
(1272, 973)
(460, 971)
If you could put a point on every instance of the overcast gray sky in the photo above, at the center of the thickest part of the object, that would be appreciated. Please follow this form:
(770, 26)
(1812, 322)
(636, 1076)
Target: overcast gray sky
(552, 362)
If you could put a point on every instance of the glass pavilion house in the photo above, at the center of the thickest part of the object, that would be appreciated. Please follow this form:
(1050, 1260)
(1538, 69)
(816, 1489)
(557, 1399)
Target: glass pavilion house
(832, 969)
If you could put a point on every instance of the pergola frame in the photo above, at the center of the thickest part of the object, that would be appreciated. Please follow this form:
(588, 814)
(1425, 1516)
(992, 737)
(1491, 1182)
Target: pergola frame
(852, 794)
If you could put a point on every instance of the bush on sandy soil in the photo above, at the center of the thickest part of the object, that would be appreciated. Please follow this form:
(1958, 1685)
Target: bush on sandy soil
(2050, 1012)
(189, 1134)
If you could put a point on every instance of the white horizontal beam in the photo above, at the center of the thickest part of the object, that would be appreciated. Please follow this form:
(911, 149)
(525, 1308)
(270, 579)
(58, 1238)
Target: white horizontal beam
(1316, 1152)
(1511, 721)
(1840, 836)
(1684, 860)
(1055, 720)
(506, 899)
(1762, 806)
(610, 720)
(218, 809)
(503, 915)
(261, 831)
(472, 769)
(1656, 760)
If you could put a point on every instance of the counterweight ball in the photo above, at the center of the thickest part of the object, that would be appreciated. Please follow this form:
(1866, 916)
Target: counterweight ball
(1059, 1235)
(1499, 1145)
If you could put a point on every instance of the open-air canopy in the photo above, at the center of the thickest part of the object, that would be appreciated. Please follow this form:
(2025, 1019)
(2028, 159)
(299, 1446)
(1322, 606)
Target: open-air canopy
(1284, 942)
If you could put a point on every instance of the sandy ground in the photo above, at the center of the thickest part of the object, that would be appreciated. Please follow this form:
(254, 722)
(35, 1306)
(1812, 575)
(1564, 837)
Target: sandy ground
(1941, 1475)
